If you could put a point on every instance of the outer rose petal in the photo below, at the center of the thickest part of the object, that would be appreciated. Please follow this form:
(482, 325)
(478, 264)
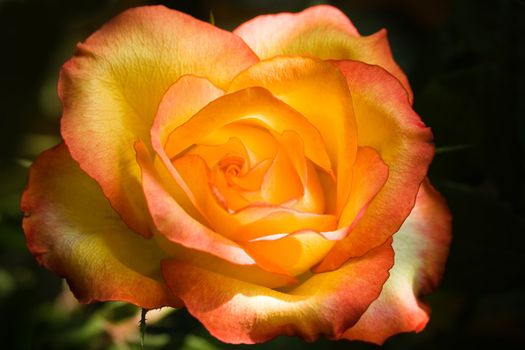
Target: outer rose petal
(320, 31)
(421, 247)
(388, 124)
(239, 312)
(249, 273)
(111, 88)
(72, 230)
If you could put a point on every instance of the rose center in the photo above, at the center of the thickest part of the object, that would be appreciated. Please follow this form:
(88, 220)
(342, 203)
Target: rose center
(232, 166)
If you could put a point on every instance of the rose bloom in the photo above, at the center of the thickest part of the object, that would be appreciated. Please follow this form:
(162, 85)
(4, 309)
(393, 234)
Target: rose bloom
(271, 180)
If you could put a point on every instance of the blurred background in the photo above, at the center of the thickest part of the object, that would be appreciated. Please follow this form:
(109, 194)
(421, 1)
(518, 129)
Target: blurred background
(465, 60)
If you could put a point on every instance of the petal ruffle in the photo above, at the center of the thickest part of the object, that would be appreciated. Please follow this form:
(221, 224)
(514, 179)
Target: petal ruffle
(72, 230)
(421, 248)
(111, 88)
(235, 311)
(388, 124)
(319, 31)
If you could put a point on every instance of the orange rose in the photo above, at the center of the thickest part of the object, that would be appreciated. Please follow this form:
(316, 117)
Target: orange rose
(271, 180)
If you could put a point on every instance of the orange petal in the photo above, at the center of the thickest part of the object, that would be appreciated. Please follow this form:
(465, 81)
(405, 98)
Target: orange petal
(259, 143)
(421, 248)
(281, 182)
(246, 224)
(294, 253)
(236, 311)
(252, 180)
(182, 100)
(252, 106)
(111, 88)
(312, 199)
(369, 174)
(229, 197)
(72, 230)
(213, 154)
(388, 124)
(195, 179)
(319, 31)
(260, 221)
(176, 225)
(250, 273)
(301, 83)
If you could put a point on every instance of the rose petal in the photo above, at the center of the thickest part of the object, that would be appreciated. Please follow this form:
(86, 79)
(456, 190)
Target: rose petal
(249, 273)
(182, 100)
(259, 143)
(281, 182)
(111, 88)
(72, 230)
(312, 199)
(252, 180)
(235, 311)
(176, 225)
(388, 124)
(246, 224)
(252, 106)
(213, 154)
(369, 174)
(260, 221)
(294, 253)
(320, 31)
(301, 83)
(421, 247)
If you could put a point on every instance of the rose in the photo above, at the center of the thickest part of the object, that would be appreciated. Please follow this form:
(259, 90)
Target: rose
(272, 181)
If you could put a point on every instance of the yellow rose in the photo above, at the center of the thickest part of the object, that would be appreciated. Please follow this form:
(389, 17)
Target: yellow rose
(271, 180)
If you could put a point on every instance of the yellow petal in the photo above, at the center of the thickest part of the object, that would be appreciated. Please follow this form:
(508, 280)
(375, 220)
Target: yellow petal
(111, 88)
(72, 230)
(319, 31)
(302, 83)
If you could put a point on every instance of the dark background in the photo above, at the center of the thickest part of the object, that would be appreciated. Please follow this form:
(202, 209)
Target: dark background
(465, 61)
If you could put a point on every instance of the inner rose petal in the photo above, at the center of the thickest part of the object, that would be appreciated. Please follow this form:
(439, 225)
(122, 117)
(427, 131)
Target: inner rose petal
(258, 142)
(214, 154)
(253, 221)
(253, 106)
(281, 182)
(294, 253)
(320, 93)
(312, 199)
